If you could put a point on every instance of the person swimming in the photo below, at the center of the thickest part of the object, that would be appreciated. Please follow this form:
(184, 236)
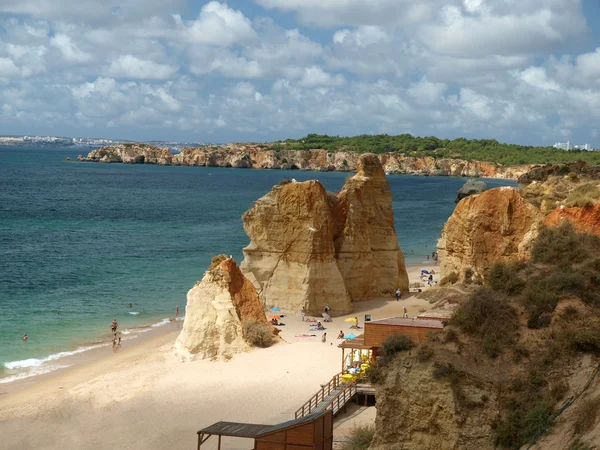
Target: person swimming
(25, 337)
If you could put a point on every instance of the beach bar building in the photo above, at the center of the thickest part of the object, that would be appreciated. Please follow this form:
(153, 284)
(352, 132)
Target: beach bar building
(361, 352)
(417, 330)
(311, 432)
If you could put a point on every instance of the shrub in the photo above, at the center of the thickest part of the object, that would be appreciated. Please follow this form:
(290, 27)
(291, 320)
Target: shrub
(468, 275)
(445, 371)
(345, 163)
(284, 182)
(522, 425)
(395, 344)
(258, 334)
(361, 437)
(488, 314)
(563, 245)
(582, 336)
(584, 195)
(451, 335)
(451, 278)
(504, 277)
(424, 351)
(587, 414)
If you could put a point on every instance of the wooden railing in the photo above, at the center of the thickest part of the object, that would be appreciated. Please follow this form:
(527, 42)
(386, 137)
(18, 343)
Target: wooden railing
(326, 390)
(344, 397)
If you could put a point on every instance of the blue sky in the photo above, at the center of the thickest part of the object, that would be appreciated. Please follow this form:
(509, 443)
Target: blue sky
(258, 70)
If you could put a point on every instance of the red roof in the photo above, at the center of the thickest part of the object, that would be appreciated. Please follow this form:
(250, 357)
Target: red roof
(401, 322)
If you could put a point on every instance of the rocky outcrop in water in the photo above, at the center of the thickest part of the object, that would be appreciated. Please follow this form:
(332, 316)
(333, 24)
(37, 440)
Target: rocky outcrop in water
(216, 308)
(309, 248)
(471, 187)
(270, 156)
(497, 225)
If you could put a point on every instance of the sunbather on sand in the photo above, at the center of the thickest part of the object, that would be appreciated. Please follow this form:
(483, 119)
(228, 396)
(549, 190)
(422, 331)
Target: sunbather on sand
(341, 335)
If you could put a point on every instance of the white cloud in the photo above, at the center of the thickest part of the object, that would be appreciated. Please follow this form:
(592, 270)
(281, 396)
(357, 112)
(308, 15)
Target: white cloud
(315, 76)
(8, 68)
(129, 66)
(219, 25)
(70, 51)
(536, 77)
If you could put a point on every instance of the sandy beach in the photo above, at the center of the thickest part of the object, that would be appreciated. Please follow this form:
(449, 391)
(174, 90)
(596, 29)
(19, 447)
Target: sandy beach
(143, 397)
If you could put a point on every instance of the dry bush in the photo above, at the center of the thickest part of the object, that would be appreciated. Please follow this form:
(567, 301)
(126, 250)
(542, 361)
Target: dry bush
(584, 195)
(587, 415)
(563, 245)
(582, 336)
(361, 437)
(424, 351)
(488, 315)
(258, 334)
(395, 344)
(504, 277)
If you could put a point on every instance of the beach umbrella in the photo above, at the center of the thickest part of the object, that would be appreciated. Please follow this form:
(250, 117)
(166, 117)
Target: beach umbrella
(350, 319)
(275, 309)
(349, 336)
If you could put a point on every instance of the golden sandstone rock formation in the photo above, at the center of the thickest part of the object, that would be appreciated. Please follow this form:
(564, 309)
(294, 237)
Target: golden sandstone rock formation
(216, 308)
(310, 248)
(497, 225)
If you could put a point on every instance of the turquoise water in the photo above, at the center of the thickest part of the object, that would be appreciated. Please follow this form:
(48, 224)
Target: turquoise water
(85, 240)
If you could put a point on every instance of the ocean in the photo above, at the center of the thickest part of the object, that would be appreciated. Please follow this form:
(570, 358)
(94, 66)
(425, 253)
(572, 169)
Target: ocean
(80, 241)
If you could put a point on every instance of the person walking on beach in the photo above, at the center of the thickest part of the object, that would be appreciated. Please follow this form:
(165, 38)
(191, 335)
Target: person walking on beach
(324, 338)
(114, 342)
(303, 313)
(327, 310)
(176, 311)
(114, 325)
(430, 281)
(405, 313)
(119, 342)
(398, 294)
(356, 322)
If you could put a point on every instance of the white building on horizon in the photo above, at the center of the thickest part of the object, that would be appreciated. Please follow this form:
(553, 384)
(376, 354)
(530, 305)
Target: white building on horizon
(568, 146)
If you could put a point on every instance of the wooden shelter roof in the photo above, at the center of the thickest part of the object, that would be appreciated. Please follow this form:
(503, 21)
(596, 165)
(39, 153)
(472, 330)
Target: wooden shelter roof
(399, 321)
(249, 430)
(358, 343)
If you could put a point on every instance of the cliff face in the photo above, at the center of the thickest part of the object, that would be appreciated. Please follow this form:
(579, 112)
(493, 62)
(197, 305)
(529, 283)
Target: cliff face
(417, 411)
(497, 225)
(130, 154)
(216, 308)
(310, 248)
(366, 244)
(585, 219)
(253, 156)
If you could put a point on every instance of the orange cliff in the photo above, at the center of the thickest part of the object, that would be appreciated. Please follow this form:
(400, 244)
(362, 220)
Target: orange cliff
(497, 225)
(585, 219)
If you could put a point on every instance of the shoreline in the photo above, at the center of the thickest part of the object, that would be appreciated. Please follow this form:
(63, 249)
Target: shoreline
(91, 352)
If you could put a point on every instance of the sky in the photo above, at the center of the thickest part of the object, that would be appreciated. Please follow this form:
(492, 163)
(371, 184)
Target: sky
(519, 71)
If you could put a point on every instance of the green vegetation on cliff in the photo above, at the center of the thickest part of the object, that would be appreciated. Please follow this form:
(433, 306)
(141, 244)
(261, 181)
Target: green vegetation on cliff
(461, 148)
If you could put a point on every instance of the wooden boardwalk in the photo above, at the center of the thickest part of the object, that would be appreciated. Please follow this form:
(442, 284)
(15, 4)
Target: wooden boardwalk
(333, 395)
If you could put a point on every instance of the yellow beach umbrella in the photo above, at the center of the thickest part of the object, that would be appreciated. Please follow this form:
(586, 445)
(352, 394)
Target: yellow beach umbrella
(350, 319)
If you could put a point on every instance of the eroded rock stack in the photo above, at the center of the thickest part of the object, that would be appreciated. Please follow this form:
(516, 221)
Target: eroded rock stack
(497, 225)
(310, 248)
(216, 308)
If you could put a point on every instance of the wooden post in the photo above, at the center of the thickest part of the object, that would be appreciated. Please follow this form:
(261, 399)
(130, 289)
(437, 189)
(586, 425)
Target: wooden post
(200, 436)
(219, 447)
